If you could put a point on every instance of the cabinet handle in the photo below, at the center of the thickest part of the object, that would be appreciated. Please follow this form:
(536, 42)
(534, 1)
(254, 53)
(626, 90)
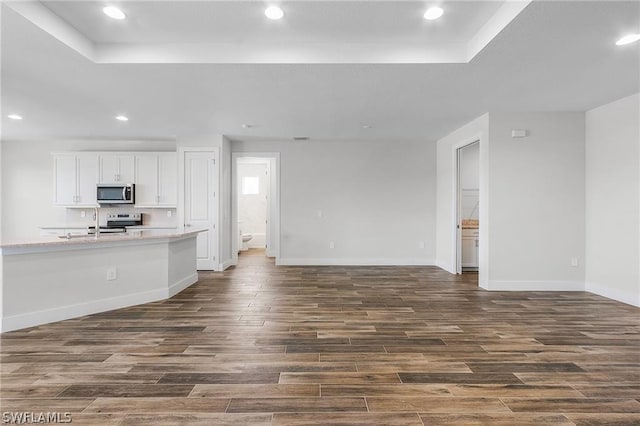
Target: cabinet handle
(157, 199)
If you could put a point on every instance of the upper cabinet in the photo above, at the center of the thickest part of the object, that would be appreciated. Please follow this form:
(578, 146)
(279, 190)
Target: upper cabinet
(76, 175)
(117, 168)
(156, 180)
(75, 178)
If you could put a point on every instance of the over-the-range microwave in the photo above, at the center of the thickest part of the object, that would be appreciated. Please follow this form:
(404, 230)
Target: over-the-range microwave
(116, 193)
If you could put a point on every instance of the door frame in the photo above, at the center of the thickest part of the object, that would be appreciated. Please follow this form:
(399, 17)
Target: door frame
(273, 228)
(457, 199)
(215, 232)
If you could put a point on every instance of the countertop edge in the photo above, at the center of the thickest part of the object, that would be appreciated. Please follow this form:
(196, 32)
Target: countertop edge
(104, 240)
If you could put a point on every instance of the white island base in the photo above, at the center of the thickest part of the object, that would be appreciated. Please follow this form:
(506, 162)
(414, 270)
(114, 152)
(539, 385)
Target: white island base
(53, 279)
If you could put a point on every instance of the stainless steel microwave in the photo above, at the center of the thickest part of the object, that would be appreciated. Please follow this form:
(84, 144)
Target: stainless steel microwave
(116, 193)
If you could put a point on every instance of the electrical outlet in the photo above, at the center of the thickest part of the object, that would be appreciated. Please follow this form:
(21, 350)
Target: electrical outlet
(169, 213)
(83, 213)
(574, 261)
(112, 274)
(421, 244)
(332, 245)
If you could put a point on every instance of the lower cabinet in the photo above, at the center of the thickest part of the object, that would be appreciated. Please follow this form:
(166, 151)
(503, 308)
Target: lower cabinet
(470, 244)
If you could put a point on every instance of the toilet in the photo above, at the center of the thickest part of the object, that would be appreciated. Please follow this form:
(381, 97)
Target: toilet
(245, 241)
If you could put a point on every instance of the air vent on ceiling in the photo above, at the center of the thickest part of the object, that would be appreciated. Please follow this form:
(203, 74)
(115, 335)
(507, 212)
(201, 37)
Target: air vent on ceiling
(301, 138)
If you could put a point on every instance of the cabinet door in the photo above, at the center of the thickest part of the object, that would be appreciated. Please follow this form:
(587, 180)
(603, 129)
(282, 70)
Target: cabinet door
(168, 179)
(108, 168)
(87, 179)
(469, 253)
(64, 175)
(146, 180)
(126, 169)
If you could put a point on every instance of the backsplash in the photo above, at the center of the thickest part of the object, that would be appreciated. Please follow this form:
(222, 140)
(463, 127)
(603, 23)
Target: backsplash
(154, 217)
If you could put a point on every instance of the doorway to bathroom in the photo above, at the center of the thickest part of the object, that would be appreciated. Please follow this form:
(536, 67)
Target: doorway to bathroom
(255, 204)
(468, 208)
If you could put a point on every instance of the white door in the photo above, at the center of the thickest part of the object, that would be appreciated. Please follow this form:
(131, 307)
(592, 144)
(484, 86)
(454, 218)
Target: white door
(458, 217)
(200, 187)
(268, 243)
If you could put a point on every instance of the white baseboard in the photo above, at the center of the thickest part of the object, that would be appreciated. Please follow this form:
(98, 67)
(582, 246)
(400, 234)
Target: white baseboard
(32, 319)
(494, 285)
(615, 294)
(299, 261)
(182, 284)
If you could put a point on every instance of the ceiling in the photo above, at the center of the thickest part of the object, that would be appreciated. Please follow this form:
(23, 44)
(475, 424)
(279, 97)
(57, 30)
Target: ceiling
(70, 73)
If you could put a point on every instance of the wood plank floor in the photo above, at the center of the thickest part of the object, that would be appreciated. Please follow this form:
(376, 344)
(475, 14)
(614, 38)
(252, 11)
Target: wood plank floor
(261, 344)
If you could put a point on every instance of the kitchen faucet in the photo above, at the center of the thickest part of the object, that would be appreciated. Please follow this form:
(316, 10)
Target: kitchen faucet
(96, 216)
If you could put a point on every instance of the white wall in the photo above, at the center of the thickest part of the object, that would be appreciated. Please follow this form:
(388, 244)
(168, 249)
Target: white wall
(536, 198)
(225, 204)
(476, 130)
(374, 199)
(27, 183)
(613, 200)
(252, 208)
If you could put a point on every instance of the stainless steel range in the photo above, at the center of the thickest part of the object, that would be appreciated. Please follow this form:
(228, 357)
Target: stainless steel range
(118, 222)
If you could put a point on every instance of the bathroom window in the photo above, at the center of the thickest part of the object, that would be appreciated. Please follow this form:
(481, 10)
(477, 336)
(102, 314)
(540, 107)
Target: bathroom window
(250, 185)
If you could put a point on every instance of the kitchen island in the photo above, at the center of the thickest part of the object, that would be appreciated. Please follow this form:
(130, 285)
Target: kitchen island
(50, 279)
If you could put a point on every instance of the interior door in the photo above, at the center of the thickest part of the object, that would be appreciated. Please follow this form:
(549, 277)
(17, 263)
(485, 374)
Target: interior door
(458, 216)
(201, 182)
(268, 243)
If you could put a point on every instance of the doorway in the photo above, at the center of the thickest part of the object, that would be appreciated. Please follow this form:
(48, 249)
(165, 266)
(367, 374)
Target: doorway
(255, 204)
(468, 208)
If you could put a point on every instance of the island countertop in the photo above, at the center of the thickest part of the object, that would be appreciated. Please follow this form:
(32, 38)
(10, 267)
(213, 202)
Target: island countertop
(82, 241)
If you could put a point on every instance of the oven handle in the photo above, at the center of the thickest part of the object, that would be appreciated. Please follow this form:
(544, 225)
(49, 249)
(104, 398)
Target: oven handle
(124, 193)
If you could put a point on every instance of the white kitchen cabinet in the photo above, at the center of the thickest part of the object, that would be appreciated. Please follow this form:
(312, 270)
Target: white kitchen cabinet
(470, 248)
(156, 180)
(75, 179)
(117, 168)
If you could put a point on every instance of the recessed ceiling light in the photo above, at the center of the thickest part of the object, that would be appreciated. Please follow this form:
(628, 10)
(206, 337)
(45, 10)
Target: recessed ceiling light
(629, 38)
(273, 12)
(14, 116)
(367, 126)
(433, 13)
(247, 126)
(122, 118)
(114, 12)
